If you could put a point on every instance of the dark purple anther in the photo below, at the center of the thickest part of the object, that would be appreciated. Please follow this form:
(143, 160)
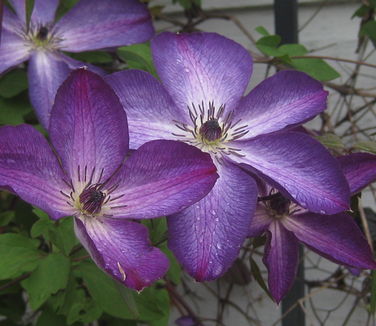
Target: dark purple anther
(92, 199)
(211, 130)
(280, 204)
(42, 33)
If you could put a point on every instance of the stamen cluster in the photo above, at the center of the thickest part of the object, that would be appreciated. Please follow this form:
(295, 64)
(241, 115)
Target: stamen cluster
(41, 36)
(91, 197)
(211, 129)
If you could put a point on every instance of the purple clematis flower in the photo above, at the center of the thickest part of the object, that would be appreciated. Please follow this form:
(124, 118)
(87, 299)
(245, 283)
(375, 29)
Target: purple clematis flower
(335, 237)
(87, 178)
(200, 101)
(89, 25)
(359, 169)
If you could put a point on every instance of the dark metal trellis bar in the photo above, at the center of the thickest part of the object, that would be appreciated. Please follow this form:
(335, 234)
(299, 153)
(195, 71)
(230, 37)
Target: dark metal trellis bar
(286, 26)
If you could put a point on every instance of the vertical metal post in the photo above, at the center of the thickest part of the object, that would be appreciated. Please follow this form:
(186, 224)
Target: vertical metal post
(296, 316)
(286, 20)
(286, 26)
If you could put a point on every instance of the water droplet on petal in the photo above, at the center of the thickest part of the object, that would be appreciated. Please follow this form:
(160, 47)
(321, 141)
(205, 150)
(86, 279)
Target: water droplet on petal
(322, 212)
(186, 69)
(219, 246)
(213, 212)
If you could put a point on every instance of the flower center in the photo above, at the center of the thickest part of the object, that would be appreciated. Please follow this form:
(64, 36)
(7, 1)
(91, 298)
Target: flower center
(92, 199)
(279, 204)
(211, 131)
(41, 37)
(42, 34)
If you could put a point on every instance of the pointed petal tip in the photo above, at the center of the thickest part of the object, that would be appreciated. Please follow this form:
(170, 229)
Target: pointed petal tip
(204, 274)
(204, 65)
(122, 249)
(206, 237)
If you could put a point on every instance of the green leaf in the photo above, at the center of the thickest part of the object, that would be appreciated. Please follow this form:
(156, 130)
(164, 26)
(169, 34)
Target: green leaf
(50, 276)
(293, 49)
(160, 322)
(367, 146)
(6, 217)
(157, 229)
(18, 255)
(151, 303)
(60, 233)
(29, 9)
(269, 45)
(49, 318)
(13, 83)
(262, 30)
(93, 57)
(316, 68)
(331, 141)
(64, 7)
(158, 236)
(362, 11)
(41, 226)
(103, 291)
(138, 56)
(174, 272)
(373, 293)
(78, 307)
(128, 297)
(258, 277)
(369, 29)
(12, 111)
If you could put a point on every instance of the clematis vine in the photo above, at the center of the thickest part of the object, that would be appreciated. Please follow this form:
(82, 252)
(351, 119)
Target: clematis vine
(89, 25)
(335, 237)
(200, 101)
(83, 175)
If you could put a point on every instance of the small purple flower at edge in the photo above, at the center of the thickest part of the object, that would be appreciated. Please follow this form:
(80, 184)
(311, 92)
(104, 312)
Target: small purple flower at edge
(335, 237)
(200, 101)
(88, 178)
(89, 25)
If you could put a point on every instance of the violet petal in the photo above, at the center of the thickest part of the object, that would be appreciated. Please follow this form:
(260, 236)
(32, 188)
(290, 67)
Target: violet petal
(150, 109)
(281, 259)
(336, 237)
(122, 249)
(202, 68)
(19, 7)
(298, 164)
(88, 127)
(93, 25)
(29, 168)
(359, 170)
(13, 50)
(206, 237)
(46, 73)
(44, 12)
(260, 222)
(161, 178)
(285, 99)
